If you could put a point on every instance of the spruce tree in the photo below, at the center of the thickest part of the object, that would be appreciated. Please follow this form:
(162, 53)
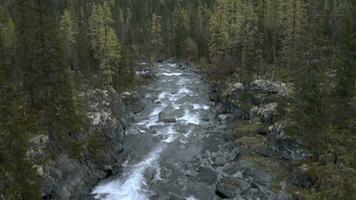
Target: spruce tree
(17, 175)
(294, 22)
(156, 40)
(104, 43)
(219, 32)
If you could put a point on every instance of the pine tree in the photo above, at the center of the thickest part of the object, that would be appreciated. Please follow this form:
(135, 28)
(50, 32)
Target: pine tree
(156, 41)
(294, 22)
(17, 176)
(68, 33)
(273, 29)
(104, 42)
(191, 49)
(218, 26)
(346, 65)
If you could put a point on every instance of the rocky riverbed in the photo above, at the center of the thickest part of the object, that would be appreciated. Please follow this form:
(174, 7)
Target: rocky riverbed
(178, 148)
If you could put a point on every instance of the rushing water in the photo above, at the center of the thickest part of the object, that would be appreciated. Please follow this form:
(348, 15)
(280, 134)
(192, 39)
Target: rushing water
(174, 93)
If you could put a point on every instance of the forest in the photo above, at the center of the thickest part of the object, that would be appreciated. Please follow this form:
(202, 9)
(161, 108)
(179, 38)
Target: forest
(53, 51)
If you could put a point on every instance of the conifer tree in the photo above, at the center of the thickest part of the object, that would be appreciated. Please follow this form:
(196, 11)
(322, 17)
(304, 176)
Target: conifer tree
(17, 176)
(294, 22)
(273, 29)
(219, 38)
(104, 42)
(346, 65)
(156, 41)
(68, 33)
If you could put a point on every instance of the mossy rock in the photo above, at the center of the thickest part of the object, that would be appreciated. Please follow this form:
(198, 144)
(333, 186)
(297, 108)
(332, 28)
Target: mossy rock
(244, 127)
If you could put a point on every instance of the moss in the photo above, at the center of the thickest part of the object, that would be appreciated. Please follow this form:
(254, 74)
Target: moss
(244, 127)
(334, 182)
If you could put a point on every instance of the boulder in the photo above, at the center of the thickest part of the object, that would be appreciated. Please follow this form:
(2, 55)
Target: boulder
(220, 161)
(234, 153)
(269, 87)
(301, 176)
(230, 187)
(39, 140)
(206, 175)
(287, 146)
(166, 118)
(268, 113)
(264, 91)
(282, 195)
(252, 194)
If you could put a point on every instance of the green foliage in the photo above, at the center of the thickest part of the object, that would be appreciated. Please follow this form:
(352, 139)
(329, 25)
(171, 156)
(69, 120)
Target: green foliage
(104, 42)
(157, 43)
(309, 108)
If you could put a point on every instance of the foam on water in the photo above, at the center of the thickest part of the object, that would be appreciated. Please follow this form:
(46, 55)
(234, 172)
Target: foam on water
(131, 186)
(170, 135)
(171, 74)
(191, 198)
(200, 106)
(190, 118)
(153, 118)
(184, 90)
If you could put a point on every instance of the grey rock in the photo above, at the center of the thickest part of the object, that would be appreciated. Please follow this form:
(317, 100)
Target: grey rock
(231, 186)
(65, 177)
(288, 147)
(220, 161)
(206, 175)
(39, 141)
(238, 197)
(282, 195)
(268, 113)
(252, 194)
(234, 154)
(166, 118)
(301, 176)
(269, 87)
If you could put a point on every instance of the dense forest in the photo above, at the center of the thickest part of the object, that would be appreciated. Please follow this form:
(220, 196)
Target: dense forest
(54, 50)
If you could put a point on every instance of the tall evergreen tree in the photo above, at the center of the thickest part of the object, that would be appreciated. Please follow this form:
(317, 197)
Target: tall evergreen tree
(104, 42)
(156, 41)
(219, 39)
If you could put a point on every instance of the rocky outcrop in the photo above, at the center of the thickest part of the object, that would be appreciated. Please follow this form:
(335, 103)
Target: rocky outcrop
(287, 146)
(302, 176)
(65, 176)
(230, 187)
(261, 89)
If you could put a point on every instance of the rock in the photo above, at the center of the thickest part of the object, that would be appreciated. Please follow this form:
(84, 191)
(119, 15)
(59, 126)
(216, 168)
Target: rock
(39, 170)
(39, 141)
(233, 90)
(288, 147)
(269, 87)
(268, 113)
(234, 154)
(206, 175)
(71, 177)
(229, 187)
(301, 176)
(282, 195)
(252, 194)
(164, 117)
(220, 161)
(238, 197)
(222, 117)
(256, 175)
(238, 86)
